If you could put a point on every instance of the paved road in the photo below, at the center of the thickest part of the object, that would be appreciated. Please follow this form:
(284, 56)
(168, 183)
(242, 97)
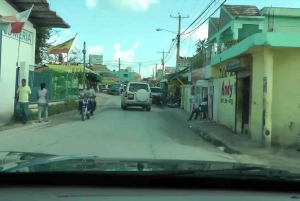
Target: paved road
(112, 132)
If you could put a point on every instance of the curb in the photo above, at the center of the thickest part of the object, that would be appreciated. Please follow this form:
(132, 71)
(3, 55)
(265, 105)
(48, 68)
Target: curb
(210, 137)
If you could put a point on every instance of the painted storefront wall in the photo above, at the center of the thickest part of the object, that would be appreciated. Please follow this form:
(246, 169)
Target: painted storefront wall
(8, 58)
(227, 98)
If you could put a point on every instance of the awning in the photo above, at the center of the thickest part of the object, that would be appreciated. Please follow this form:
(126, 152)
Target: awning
(177, 74)
(71, 69)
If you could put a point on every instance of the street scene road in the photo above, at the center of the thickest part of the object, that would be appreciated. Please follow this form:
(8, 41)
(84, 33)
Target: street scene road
(114, 133)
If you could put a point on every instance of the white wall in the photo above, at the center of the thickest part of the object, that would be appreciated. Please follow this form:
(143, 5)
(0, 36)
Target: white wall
(9, 54)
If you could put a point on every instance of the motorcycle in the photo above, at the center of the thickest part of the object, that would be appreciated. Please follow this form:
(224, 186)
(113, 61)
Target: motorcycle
(86, 110)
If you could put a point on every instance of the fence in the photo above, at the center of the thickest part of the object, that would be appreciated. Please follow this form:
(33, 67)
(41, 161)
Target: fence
(61, 85)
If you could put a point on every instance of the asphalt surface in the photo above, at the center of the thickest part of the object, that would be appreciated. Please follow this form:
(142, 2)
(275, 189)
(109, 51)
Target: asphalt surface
(114, 133)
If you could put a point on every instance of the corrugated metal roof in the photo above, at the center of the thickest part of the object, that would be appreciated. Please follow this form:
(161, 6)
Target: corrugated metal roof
(242, 10)
(41, 14)
(216, 21)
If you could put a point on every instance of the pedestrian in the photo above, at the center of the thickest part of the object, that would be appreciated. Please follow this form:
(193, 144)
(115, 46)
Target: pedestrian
(42, 96)
(202, 108)
(23, 96)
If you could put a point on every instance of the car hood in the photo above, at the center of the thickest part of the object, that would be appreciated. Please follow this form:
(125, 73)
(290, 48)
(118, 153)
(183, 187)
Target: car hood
(40, 162)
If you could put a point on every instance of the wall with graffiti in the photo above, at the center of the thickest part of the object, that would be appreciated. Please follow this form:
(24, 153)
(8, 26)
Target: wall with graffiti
(227, 94)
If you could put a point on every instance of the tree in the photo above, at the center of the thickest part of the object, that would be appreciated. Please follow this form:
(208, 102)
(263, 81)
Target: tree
(199, 59)
(201, 45)
(41, 45)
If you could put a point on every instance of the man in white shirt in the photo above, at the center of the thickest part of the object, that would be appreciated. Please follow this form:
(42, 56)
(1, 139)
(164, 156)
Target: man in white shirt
(202, 108)
(88, 93)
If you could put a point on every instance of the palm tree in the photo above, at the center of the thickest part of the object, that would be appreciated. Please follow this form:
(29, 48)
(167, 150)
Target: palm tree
(201, 50)
(201, 45)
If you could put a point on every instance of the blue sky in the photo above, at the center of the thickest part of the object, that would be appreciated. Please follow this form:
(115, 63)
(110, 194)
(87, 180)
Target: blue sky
(126, 29)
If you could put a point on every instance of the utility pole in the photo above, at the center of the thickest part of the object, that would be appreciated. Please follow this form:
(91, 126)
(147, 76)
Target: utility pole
(119, 70)
(139, 68)
(84, 64)
(191, 67)
(153, 73)
(156, 71)
(178, 36)
(163, 59)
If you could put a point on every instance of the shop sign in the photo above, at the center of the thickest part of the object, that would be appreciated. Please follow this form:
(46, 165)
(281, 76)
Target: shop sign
(25, 36)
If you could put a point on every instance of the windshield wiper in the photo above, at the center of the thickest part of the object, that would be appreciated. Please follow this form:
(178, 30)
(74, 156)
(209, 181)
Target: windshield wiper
(246, 172)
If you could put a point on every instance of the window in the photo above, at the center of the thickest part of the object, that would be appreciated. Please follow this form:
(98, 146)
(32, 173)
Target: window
(156, 90)
(136, 87)
(125, 75)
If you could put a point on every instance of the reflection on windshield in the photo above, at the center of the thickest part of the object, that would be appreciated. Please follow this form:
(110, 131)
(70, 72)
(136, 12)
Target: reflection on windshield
(136, 87)
(215, 97)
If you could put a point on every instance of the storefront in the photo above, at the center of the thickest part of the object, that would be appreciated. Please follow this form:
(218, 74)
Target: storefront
(20, 48)
(242, 69)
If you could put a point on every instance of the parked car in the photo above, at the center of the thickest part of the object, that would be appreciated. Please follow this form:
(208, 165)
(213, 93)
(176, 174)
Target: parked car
(156, 93)
(137, 94)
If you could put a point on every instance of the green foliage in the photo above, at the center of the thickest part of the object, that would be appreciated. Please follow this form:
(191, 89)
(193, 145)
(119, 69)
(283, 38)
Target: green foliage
(201, 45)
(197, 61)
(64, 84)
(41, 44)
(66, 106)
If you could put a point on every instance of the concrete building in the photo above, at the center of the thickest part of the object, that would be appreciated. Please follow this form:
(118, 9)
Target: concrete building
(40, 16)
(253, 73)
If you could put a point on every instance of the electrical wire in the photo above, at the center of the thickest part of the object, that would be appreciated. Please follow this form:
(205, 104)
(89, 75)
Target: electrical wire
(207, 17)
(207, 7)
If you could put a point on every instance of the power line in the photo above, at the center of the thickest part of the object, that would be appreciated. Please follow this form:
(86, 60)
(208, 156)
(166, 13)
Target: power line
(208, 16)
(199, 16)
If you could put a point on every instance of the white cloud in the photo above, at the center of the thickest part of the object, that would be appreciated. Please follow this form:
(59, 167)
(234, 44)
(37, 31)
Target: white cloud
(91, 4)
(147, 71)
(183, 52)
(135, 5)
(124, 55)
(136, 45)
(95, 49)
(62, 36)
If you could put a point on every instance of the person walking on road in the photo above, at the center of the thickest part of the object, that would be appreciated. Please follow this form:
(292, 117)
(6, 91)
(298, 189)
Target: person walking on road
(42, 96)
(23, 96)
(202, 108)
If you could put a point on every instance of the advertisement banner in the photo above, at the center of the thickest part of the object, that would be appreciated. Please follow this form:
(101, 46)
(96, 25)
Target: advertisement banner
(96, 59)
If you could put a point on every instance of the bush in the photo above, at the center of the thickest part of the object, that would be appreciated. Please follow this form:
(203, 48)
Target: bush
(66, 106)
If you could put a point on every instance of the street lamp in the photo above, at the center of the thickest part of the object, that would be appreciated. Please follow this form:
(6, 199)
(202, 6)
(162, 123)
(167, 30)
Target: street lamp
(178, 43)
(159, 29)
(84, 52)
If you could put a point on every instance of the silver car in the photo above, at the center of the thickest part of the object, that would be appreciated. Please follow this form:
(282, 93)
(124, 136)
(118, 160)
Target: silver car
(137, 94)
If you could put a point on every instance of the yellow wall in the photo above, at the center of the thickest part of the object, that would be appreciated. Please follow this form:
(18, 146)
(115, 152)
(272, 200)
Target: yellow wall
(226, 109)
(256, 118)
(286, 96)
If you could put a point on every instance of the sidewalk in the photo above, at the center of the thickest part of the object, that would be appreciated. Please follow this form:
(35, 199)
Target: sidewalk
(5, 118)
(229, 142)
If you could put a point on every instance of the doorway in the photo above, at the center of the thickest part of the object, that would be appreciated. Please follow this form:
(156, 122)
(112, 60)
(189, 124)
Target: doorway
(243, 105)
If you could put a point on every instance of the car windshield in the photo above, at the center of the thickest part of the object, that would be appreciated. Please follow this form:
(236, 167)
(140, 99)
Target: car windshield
(156, 90)
(228, 71)
(136, 87)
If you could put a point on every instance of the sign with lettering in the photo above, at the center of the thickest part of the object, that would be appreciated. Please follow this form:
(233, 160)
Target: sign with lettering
(25, 36)
(96, 59)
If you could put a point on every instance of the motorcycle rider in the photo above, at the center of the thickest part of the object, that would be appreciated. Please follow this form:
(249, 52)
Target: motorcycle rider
(87, 93)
